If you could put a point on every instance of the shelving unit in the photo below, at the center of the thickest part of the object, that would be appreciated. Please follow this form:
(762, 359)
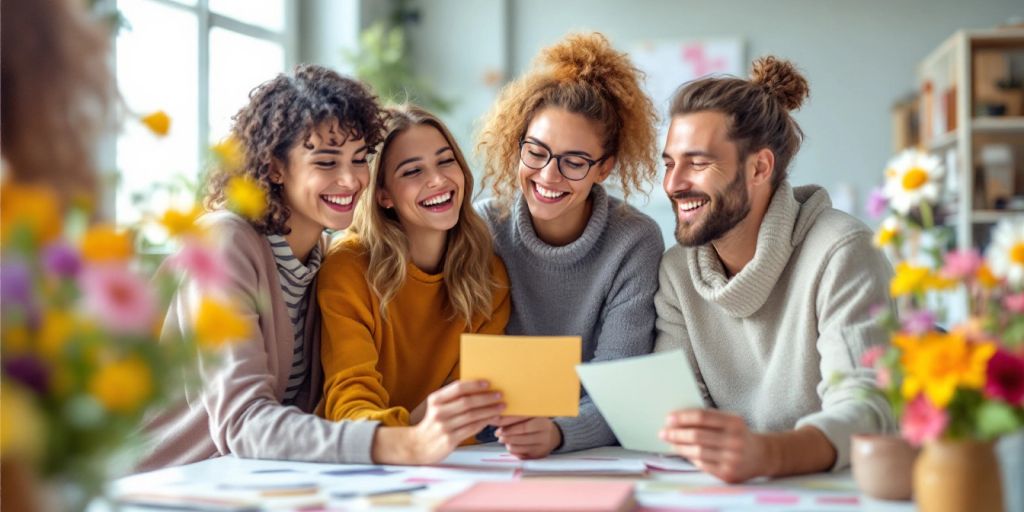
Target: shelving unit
(950, 127)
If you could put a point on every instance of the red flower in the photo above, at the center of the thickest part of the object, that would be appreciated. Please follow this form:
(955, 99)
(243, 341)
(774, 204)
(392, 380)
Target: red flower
(1005, 378)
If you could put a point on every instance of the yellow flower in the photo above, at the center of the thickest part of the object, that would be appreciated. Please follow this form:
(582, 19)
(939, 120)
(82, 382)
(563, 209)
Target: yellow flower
(30, 207)
(57, 328)
(986, 277)
(246, 197)
(122, 386)
(218, 323)
(908, 279)
(229, 153)
(22, 429)
(938, 364)
(15, 338)
(887, 232)
(182, 222)
(104, 243)
(936, 281)
(158, 122)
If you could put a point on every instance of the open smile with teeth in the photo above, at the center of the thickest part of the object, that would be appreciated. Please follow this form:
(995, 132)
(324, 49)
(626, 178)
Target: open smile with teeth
(338, 199)
(547, 192)
(689, 206)
(438, 199)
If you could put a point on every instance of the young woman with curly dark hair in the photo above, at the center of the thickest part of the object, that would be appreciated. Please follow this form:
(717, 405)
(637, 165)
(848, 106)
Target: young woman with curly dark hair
(305, 138)
(580, 261)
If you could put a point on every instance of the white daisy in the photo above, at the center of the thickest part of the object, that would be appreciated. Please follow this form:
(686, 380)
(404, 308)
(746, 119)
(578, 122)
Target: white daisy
(1005, 255)
(911, 177)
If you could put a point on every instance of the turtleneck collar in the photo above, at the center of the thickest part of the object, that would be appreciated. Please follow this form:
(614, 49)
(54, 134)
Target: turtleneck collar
(790, 215)
(576, 250)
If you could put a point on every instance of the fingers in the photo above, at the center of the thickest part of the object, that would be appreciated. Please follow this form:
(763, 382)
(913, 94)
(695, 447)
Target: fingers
(511, 420)
(469, 417)
(696, 436)
(703, 418)
(455, 390)
(469, 430)
(529, 426)
(467, 403)
(696, 453)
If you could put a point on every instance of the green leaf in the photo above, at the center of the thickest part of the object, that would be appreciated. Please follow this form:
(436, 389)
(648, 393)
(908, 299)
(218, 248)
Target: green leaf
(995, 419)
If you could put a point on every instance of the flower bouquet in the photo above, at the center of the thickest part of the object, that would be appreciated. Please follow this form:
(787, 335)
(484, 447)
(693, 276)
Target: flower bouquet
(950, 383)
(83, 353)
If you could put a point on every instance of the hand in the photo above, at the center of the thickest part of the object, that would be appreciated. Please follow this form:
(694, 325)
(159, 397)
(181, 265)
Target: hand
(718, 443)
(453, 414)
(416, 415)
(528, 437)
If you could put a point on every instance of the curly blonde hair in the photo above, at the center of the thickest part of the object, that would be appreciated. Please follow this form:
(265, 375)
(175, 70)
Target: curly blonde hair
(585, 75)
(467, 261)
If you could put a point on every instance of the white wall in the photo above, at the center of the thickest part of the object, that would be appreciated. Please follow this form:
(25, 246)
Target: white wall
(859, 56)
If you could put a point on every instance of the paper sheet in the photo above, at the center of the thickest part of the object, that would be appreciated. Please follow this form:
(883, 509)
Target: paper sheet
(636, 394)
(535, 373)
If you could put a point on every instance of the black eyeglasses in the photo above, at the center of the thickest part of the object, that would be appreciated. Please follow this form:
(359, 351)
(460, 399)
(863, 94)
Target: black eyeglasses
(536, 155)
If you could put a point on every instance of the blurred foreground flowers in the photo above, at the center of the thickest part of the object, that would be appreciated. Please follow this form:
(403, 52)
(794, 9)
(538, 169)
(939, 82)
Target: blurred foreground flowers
(82, 354)
(943, 381)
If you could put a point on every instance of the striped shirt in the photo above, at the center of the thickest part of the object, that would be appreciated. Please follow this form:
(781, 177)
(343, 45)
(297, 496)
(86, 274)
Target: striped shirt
(295, 280)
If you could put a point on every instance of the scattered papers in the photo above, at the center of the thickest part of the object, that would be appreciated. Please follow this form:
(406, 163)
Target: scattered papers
(546, 495)
(670, 463)
(635, 395)
(583, 467)
(534, 373)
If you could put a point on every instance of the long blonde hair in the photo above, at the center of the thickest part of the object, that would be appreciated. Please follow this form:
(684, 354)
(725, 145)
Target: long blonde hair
(467, 261)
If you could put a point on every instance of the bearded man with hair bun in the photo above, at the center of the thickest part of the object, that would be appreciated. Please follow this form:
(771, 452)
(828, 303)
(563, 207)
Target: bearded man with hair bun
(770, 291)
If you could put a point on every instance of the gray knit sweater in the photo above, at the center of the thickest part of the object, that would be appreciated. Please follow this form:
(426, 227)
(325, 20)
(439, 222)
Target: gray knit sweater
(766, 343)
(600, 287)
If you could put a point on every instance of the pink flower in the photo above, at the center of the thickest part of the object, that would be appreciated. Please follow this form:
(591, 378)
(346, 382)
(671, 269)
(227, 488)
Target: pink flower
(922, 421)
(204, 264)
(122, 301)
(962, 264)
(883, 378)
(1014, 303)
(1004, 378)
(918, 322)
(871, 355)
(877, 203)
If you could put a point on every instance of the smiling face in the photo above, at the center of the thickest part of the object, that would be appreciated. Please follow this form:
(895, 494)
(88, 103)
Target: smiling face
(422, 180)
(323, 178)
(550, 196)
(704, 179)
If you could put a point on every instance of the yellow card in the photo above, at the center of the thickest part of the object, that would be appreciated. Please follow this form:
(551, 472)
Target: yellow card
(536, 374)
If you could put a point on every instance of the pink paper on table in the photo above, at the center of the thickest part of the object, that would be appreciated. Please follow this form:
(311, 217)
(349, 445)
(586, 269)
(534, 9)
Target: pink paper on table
(548, 495)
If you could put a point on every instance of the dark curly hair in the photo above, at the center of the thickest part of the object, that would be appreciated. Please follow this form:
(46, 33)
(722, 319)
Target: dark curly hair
(284, 112)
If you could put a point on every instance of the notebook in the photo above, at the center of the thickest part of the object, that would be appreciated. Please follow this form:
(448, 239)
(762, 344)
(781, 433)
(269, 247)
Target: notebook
(544, 495)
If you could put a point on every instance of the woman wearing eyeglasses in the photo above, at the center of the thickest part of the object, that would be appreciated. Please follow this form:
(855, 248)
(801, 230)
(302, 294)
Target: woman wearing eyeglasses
(580, 261)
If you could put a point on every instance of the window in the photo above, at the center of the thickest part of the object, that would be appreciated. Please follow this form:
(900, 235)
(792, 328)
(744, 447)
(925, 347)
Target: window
(197, 60)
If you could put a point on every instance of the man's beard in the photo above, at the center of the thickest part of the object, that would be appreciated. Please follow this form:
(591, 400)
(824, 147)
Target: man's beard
(729, 208)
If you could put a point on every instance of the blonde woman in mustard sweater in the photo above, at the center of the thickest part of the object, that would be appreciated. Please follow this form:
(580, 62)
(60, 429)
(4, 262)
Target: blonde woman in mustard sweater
(414, 272)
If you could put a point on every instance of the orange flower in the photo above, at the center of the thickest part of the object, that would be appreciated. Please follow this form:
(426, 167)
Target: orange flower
(937, 364)
(105, 243)
(29, 208)
(158, 122)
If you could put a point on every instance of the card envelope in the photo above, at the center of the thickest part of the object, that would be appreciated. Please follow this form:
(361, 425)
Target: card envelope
(636, 394)
(536, 374)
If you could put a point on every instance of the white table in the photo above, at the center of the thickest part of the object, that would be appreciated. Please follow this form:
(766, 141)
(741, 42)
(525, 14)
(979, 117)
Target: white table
(658, 490)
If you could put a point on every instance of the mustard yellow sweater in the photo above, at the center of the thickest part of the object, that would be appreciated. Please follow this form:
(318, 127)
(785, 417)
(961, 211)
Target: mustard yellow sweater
(380, 368)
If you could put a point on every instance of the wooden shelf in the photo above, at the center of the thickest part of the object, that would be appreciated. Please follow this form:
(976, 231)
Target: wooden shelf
(998, 124)
(993, 216)
(943, 141)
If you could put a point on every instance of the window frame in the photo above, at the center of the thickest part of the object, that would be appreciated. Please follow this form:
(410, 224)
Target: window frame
(206, 21)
